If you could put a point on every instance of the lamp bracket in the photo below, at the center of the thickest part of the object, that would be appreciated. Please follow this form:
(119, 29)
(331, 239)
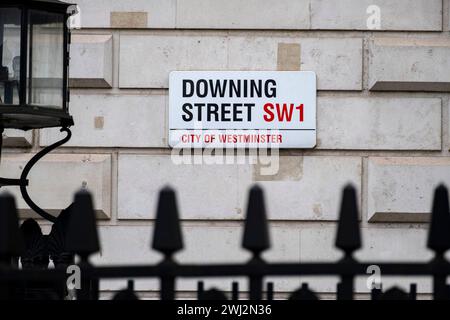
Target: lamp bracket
(23, 181)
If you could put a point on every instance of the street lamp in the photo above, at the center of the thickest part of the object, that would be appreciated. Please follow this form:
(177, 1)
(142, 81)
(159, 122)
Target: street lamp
(34, 63)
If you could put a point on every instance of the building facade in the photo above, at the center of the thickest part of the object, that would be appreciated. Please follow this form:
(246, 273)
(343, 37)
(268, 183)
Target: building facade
(383, 80)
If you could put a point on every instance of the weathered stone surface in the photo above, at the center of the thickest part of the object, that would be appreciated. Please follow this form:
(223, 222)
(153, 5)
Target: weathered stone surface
(398, 64)
(104, 13)
(420, 15)
(288, 57)
(146, 60)
(17, 138)
(401, 188)
(132, 20)
(304, 188)
(379, 123)
(249, 14)
(309, 186)
(337, 62)
(55, 179)
(91, 63)
(420, 119)
(115, 121)
(410, 15)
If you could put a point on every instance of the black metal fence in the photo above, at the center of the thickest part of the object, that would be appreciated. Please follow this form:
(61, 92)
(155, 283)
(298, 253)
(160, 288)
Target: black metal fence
(75, 234)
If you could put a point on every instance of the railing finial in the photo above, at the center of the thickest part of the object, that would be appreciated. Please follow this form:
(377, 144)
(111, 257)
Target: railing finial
(82, 237)
(167, 237)
(439, 233)
(256, 233)
(348, 237)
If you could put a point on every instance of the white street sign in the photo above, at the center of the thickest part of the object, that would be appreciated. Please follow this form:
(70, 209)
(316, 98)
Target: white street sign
(242, 109)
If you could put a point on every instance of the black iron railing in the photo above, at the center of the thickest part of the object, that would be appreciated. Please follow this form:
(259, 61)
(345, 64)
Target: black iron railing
(75, 234)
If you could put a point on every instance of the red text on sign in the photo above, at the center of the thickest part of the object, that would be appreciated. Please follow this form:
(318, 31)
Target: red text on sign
(283, 112)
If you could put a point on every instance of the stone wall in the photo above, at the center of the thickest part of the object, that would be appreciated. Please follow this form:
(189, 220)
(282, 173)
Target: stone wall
(382, 120)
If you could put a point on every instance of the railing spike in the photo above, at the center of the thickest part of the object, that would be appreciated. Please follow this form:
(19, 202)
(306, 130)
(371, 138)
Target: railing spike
(200, 289)
(235, 290)
(270, 290)
(82, 237)
(348, 237)
(439, 233)
(167, 237)
(413, 291)
(256, 234)
(11, 239)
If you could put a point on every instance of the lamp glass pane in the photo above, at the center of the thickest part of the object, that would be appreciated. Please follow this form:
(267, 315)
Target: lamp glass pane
(10, 29)
(46, 63)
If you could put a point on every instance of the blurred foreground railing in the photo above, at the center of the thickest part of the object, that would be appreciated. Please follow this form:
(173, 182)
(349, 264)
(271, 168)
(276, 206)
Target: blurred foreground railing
(75, 234)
